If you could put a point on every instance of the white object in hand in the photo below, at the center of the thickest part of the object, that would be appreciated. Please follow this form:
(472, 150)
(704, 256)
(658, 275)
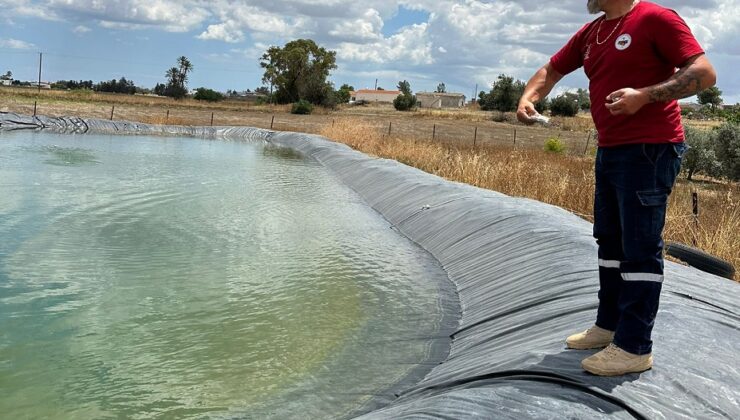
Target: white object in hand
(540, 118)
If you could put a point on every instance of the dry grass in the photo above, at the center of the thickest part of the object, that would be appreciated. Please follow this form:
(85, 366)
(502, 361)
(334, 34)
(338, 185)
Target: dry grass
(46, 96)
(561, 180)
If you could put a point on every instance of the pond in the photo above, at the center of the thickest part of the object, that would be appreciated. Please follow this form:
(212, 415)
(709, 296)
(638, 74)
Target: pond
(148, 277)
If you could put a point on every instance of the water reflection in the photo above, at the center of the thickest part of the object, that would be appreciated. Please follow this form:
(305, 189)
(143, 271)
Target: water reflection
(190, 279)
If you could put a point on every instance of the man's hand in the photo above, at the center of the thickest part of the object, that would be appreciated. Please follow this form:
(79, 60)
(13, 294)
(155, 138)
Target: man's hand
(526, 111)
(626, 101)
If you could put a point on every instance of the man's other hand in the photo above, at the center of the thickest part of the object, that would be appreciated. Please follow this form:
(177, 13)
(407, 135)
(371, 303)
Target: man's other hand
(525, 112)
(626, 101)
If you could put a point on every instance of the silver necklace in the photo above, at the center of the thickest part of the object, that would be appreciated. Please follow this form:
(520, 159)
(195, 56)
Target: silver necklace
(613, 30)
(610, 33)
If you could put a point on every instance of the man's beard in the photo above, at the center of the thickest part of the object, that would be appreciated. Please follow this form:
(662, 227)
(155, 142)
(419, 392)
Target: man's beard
(593, 6)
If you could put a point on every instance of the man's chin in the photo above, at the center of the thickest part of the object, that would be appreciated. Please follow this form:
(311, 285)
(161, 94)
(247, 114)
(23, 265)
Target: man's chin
(593, 7)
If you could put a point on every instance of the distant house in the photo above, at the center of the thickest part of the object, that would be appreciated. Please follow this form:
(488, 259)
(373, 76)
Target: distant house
(248, 96)
(440, 100)
(6, 80)
(369, 95)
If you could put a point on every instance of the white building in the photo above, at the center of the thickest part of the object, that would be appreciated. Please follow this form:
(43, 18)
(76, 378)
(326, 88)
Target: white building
(372, 96)
(440, 100)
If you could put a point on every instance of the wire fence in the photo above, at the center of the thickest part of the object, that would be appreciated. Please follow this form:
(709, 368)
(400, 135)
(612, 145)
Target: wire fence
(56, 65)
(454, 132)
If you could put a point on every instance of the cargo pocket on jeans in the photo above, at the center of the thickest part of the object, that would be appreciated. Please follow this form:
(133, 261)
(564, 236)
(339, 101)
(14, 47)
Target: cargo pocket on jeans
(653, 211)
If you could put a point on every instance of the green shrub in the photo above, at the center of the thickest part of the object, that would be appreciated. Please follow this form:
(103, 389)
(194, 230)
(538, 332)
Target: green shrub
(210, 95)
(554, 145)
(565, 105)
(731, 114)
(302, 107)
(726, 139)
(542, 105)
(701, 157)
(404, 102)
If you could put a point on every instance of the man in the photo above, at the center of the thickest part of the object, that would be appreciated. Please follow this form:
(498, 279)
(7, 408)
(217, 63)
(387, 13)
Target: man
(630, 55)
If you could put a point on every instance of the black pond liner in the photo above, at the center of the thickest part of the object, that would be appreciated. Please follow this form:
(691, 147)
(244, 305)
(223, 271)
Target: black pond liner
(526, 277)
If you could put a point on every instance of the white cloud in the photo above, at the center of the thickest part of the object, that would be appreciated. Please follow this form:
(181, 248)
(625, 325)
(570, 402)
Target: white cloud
(15, 44)
(227, 32)
(172, 16)
(410, 46)
(81, 29)
(463, 42)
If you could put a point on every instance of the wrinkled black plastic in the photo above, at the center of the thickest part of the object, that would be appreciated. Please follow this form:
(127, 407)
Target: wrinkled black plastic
(526, 274)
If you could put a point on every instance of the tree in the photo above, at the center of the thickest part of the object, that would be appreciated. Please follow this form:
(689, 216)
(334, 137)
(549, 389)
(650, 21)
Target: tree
(542, 105)
(405, 87)
(210, 95)
(115, 86)
(406, 100)
(504, 95)
(8, 76)
(344, 94)
(263, 90)
(701, 156)
(565, 105)
(584, 99)
(177, 78)
(726, 140)
(299, 70)
(441, 88)
(711, 97)
(72, 84)
(160, 89)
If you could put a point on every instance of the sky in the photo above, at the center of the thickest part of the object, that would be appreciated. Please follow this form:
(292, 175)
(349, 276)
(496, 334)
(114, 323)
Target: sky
(462, 43)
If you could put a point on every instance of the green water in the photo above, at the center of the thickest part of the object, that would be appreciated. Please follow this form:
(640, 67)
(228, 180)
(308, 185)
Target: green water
(181, 278)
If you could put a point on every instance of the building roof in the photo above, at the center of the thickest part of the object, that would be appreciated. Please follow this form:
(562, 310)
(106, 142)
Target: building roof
(381, 92)
(455, 95)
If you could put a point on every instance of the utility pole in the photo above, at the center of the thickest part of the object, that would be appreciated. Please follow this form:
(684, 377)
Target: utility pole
(376, 84)
(41, 55)
(475, 93)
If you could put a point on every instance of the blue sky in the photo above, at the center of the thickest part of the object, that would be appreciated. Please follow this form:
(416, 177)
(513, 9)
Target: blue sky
(461, 43)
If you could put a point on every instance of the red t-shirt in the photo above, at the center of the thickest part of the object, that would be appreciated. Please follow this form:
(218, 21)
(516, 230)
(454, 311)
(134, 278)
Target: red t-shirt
(645, 49)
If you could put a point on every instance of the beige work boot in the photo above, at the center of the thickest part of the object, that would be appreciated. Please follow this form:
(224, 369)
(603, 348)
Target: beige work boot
(613, 361)
(593, 338)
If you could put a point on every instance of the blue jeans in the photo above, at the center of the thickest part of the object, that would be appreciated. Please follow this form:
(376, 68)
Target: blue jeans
(633, 183)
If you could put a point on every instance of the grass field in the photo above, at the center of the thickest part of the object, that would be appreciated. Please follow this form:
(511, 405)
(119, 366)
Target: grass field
(558, 179)
(463, 145)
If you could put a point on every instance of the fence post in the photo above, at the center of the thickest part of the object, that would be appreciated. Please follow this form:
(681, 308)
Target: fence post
(34, 108)
(514, 138)
(272, 122)
(211, 119)
(111, 112)
(475, 135)
(167, 118)
(695, 205)
(390, 125)
(588, 139)
(434, 131)
(332, 123)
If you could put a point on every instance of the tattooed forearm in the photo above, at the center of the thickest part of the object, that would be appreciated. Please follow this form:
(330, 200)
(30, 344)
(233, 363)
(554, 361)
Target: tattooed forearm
(687, 81)
(682, 84)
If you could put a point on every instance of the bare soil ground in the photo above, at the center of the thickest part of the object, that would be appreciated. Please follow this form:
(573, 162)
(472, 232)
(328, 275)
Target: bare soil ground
(463, 126)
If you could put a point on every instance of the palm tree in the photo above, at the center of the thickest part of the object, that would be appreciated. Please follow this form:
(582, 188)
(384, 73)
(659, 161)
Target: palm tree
(185, 67)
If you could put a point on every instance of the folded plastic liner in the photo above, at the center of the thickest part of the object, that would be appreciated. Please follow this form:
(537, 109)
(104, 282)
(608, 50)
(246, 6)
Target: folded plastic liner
(526, 277)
